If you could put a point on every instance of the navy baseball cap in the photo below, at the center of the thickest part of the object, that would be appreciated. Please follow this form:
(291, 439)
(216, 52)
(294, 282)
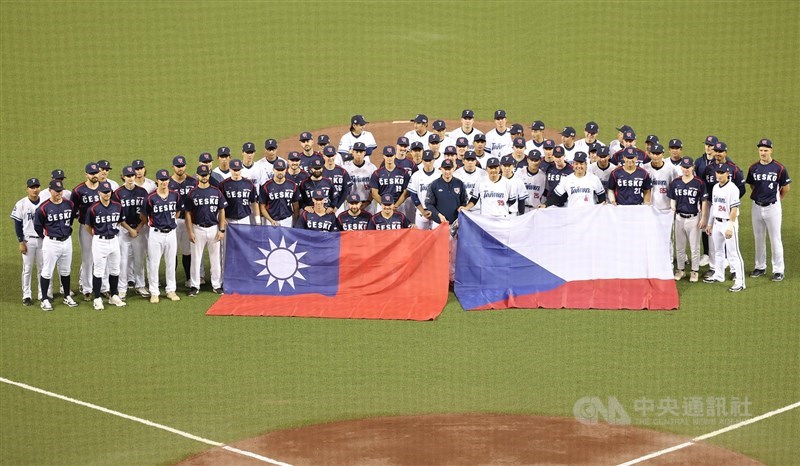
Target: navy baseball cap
(248, 147)
(416, 145)
(316, 163)
(711, 140)
(389, 151)
(651, 138)
(765, 143)
(162, 175)
(580, 157)
(358, 120)
(402, 141)
(462, 142)
(353, 199)
(203, 170)
(480, 137)
(675, 143)
(594, 146)
(723, 168)
(686, 162)
(568, 131)
(104, 164)
(507, 160)
(534, 155)
(236, 165)
(420, 118)
(323, 140)
(33, 182)
(56, 186)
(629, 135)
(624, 128)
(179, 161)
(591, 128)
(205, 157)
(330, 151)
(128, 171)
(537, 125)
(224, 151)
(470, 155)
(493, 162)
(439, 125)
(137, 164)
(559, 151)
(387, 199)
(656, 148)
(427, 155)
(468, 114)
(92, 168)
(519, 142)
(549, 144)
(629, 153)
(517, 128)
(57, 174)
(357, 146)
(279, 164)
(434, 139)
(104, 187)
(447, 164)
(306, 136)
(270, 144)
(499, 114)
(293, 155)
(602, 151)
(450, 150)
(318, 194)
(720, 147)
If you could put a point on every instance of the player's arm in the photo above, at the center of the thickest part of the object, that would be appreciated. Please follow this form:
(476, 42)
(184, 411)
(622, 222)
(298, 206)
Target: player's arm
(647, 195)
(38, 222)
(784, 191)
(703, 215)
(430, 204)
(673, 205)
(472, 201)
(222, 225)
(187, 216)
(375, 195)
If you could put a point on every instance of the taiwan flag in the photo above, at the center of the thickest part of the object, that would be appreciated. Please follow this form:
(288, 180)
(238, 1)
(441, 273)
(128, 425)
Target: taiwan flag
(278, 271)
(600, 257)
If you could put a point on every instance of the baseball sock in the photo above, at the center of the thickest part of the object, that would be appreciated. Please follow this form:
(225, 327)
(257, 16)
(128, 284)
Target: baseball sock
(186, 260)
(97, 284)
(113, 283)
(65, 283)
(44, 284)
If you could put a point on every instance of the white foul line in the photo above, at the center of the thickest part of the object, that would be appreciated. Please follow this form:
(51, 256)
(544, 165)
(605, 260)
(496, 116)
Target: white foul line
(711, 434)
(146, 422)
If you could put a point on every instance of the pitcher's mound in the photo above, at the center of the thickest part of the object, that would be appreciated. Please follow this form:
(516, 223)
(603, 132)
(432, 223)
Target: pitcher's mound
(468, 439)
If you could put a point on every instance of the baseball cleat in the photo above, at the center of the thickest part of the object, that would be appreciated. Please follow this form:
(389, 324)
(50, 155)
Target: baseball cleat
(693, 277)
(777, 277)
(70, 302)
(27, 302)
(710, 280)
(679, 274)
(219, 291)
(736, 289)
(87, 297)
(143, 292)
(117, 301)
(97, 304)
(46, 306)
(172, 296)
(131, 284)
(192, 292)
(709, 273)
(704, 261)
(153, 299)
(757, 273)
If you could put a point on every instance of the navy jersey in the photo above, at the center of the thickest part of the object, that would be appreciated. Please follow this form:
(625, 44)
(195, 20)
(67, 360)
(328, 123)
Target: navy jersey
(445, 198)
(83, 197)
(161, 211)
(104, 219)
(689, 196)
(182, 189)
(406, 164)
(313, 221)
(279, 198)
(342, 184)
(305, 160)
(132, 202)
(629, 188)
(710, 177)
(390, 182)
(204, 205)
(553, 176)
(347, 222)
(54, 220)
(702, 162)
(239, 194)
(298, 178)
(310, 185)
(641, 157)
(397, 221)
(766, 181)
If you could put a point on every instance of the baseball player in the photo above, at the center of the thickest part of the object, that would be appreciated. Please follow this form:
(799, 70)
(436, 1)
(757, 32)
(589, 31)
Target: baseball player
(357, 133)
(479, 143)
(724, 229)
(439, 128)
(629, 141)
(319, 218)
(434, 145)
(181, 183)
(589, 137)
(223, 170)
(262, 168)
(534, 179)
(559, 169)
(451, 154)
(360, 170)
(461, 148)
(248, 162)
(675, 152)
(387, 218)
(418, 190)
(580, 188)
(101, 222)
(132, 243)
(402, 158)
(83, 196)
(415, 152)
(279, 200)
(353, 218)
(316, 182)
(700, 165)
(568, 143)
(769, 183)
(603, 167)
(467, 128)
(629, 184)
(240, 195)
(447, 195)
(508, 168)
(30, 243)
(105, 170)
(322, 141)
(53, 223)
(141, 178)
(420, 132)
(517, 131)
(162, 208)
(661, 175)
(307, 154)
(470, 175)
(496, 193)
(649, 141)
(136, 277)
(205, 225)
(57, 174)
(689, 201)
(207, 160)
(617, 144)
(342, 183)
(498, 140)
(389, 179)
(537, 138)
(295, 172)
(518, 153)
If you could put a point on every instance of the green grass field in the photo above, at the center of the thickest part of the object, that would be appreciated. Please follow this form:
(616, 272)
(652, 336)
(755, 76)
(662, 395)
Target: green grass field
(82, 81)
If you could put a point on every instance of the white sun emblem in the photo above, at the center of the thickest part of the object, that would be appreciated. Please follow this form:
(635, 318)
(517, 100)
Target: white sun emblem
(281, 263)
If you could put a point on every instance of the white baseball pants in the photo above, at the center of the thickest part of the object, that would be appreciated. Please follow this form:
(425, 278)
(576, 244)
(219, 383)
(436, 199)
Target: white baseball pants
(105, 256)
(29, 259)
(132, 257)
(158, 245)
(767, 220)
(687, 230)
(721, 244)
(56, 252)
(421, 222)
(205, 238)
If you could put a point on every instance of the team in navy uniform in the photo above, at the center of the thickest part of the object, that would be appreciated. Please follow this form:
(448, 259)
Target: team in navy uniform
(279, 200)
(387, 218)
(162, 207)
(132, 243)
(102, 219)
(319, 218)
(205, 224)
(53, 223)
(353, 218)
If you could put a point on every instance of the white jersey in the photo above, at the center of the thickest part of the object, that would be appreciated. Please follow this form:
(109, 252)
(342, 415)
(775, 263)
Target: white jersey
(614, 147)
(583, 146)
(603, 173)
(44, 194)
(661, 178)
(414, 137)
(534, 185)
(459, 133)
(495, 196)
(148, 185)
(499, 144)
(471, 180)
(437, 162)
(420, 181)
(348, 139)
(581, 191)
(262, 171)
(24, 211)
(482, 159)
(221, 175)
(569, 154)
(530, 145)
(250, 173)
(360, 177)
(723, 200)
(520, 192)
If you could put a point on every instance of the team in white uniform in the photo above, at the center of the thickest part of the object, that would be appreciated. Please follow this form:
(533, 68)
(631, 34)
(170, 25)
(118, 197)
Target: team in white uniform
(580, 187)
(723, 229)
(495, 192)
(418, 190)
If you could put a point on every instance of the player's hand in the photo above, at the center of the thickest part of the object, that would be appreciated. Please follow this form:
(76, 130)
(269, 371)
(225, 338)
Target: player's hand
(427, 214)
(191, 237)
(728, 233)
(220, 235)
(309, 209)
(701, 225)
(708, 230)
(330, 210)
(443, 219)
(273, 222)
(541, 206)
(23, 247)
(133, 233)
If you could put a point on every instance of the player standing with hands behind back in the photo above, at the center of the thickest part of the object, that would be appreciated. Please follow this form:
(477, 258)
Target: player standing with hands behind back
(53, 222)
(161, 208)
(724, 229)
(101, 222)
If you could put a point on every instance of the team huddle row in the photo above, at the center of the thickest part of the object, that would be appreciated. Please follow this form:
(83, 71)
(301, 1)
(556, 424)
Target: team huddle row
(426, 178)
